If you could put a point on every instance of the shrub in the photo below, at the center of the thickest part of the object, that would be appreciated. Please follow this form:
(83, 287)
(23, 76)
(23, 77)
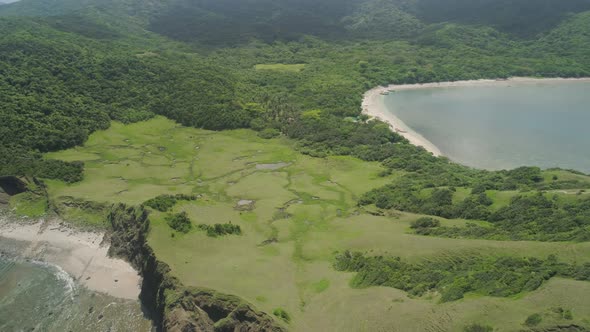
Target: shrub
(533, 320)
(478, 328)
(282, 314)
(563, 313)
(269, 133)
(425, 222)
(163, 203)
(180, 222)
(454, 277)
(221, 229)
(69, 172)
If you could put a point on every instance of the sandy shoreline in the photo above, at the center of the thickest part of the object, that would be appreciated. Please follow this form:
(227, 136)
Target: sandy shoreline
(374, 105)
(81, 254)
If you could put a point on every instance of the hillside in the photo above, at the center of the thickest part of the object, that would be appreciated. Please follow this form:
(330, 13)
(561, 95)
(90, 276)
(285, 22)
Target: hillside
(230, 21)
(232, 132)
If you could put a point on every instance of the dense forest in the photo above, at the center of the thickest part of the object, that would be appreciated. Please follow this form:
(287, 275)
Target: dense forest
(70, 68)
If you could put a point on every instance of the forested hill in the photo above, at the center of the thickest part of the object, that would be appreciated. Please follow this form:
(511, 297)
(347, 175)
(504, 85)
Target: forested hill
(233, 21)
(70, 67)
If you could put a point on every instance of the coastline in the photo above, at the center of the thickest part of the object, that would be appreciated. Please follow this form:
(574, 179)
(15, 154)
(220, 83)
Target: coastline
(82, 255)
(374, 106)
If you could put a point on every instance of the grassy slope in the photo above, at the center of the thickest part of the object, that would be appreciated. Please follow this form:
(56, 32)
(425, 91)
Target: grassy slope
(309, 207)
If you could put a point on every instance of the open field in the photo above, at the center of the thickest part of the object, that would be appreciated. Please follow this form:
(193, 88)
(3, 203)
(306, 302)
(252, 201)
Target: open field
(303, 210)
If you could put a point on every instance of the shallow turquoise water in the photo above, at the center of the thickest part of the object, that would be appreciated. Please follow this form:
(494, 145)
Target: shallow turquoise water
(501, 127)
(35, 296)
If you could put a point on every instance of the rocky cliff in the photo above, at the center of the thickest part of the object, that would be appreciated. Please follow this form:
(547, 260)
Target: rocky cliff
(173, 306)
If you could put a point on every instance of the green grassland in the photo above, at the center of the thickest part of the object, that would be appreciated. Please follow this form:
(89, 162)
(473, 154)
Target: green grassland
(29, 205)
(303, 211)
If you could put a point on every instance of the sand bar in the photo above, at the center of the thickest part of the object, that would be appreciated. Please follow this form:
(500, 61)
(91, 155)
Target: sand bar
(83, 255)
(374, 105)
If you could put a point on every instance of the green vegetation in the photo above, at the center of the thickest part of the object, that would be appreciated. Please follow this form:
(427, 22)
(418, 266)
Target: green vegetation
(282, 314)
(29, 204)
(453, 278)
(321, 285)
(281, 67)
(168, 299)
(130, 77)
(221, 229)
(478, 328)
(97, 80)
(562, 313)
(530, 217)
(533, 320)
(81, 212)
(299, 211)
(531, 213)
(180, 222)
(163, 203)
(424, 222)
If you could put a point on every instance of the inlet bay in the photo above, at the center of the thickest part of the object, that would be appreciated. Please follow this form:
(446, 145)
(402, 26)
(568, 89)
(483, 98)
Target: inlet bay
(504, 126)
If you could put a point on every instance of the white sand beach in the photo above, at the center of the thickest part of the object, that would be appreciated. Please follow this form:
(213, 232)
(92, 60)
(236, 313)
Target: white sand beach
(374, 106)
(83, 255)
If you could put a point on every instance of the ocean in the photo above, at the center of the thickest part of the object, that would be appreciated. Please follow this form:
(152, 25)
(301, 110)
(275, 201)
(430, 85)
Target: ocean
(503, 127)
(36, 296)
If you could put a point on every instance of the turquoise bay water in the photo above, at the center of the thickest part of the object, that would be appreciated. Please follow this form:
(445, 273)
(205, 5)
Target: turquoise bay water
(35, 296)
(502, 127)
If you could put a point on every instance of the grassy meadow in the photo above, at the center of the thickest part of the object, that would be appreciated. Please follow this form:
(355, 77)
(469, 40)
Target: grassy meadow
(302, 211)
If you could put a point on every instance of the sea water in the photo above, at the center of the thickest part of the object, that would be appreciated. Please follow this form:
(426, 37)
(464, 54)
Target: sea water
(36, 296)
(502, 127)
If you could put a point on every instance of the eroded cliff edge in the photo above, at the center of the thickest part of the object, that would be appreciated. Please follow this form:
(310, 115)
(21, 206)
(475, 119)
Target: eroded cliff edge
(175, 307)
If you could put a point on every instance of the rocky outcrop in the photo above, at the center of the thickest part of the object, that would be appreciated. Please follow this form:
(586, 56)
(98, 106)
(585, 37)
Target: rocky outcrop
(213, 311)
(174, 307)
(12, 185)
(4, 198)
(561, 328)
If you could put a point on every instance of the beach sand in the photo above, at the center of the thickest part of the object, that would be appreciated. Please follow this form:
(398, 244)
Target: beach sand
(374, 105)
(83, 255)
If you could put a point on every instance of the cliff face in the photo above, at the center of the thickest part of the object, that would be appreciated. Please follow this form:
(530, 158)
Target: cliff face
(173, 306)
(10, 186)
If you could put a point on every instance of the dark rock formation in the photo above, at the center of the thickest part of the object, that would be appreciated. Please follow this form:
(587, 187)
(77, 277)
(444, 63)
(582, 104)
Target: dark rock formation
(11, 185)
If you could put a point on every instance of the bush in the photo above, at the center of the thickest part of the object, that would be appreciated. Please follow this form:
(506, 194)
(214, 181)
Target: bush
(221, 229)
(180, 222)
(69, 172)
(269, 133)
(533, 320)
(425, 222)
(564, 313)
(282, 314)
(163, 203)
(478, 328)
(454, 277)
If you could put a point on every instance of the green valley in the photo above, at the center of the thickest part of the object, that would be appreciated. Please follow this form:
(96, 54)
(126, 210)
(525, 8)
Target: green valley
(223, 148)
(296, 213)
